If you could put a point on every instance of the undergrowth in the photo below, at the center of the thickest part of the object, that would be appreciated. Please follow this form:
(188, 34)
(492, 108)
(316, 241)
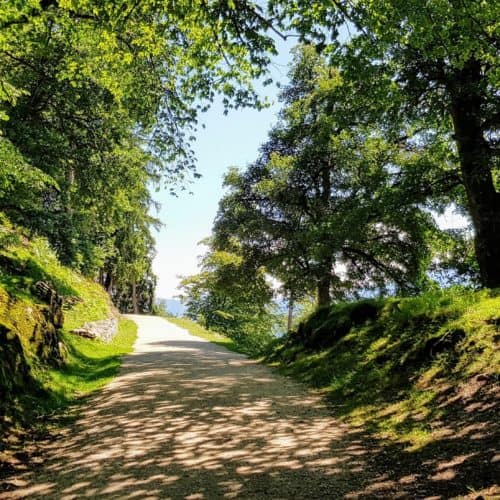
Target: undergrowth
(48, 388)
(24, 262)
(393, 365)
(90, 364)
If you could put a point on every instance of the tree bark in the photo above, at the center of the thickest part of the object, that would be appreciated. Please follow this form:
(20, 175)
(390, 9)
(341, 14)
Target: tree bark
(324, 298)
(135, 305)
(325, 280)
(475, 162)
(290, 313)
(107, 281)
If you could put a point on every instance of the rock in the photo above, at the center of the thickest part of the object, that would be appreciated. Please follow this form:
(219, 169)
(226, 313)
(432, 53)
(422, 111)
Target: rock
(84, 332)
(70, 301)
(46, 292)
(104, 329)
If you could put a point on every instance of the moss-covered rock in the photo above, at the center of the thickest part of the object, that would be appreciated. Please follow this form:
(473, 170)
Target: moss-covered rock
(29, 334)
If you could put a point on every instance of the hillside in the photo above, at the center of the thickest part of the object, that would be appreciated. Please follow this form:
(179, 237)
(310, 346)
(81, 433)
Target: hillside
(44, 367)
(420, 374)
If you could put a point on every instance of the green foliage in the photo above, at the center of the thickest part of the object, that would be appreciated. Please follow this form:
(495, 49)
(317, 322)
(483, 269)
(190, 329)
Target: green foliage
(34, 384)
(231, 297)
(90, 364)
(24, 263)
(153, 60)
(331, 203)
(99, 101)
(383, 363)
(21, 184)
(431, 68)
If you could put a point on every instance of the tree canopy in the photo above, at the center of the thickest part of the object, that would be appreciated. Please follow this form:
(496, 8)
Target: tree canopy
(99, 101)
(391, 111)
(330, 204)
(433, 65)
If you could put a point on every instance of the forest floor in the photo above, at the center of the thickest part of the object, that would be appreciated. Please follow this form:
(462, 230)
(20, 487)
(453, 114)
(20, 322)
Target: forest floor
(189, 419)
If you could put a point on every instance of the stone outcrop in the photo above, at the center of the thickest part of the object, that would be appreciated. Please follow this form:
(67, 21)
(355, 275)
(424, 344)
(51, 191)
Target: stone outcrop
(103, 330)
(27, 331)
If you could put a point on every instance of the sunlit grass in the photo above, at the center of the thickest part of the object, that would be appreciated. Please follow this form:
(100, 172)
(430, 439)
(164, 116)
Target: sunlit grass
(381, 374)
(197, 330)
(87, 364)
(90, 364)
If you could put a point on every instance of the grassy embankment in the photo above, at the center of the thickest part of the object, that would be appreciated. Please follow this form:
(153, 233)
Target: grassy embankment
(40, 386)
(214, 337)
(402, 368)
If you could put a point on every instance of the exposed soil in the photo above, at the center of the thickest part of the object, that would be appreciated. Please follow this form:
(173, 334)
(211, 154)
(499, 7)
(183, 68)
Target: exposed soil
(187, 419)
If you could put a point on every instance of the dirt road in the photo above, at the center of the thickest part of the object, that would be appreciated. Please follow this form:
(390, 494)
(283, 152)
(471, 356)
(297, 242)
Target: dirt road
(189, 419)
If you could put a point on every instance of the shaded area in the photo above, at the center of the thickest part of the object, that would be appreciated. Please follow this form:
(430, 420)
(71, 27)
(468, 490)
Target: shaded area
(188, 419)
(422, 371)
(43, 403)
(462, 460)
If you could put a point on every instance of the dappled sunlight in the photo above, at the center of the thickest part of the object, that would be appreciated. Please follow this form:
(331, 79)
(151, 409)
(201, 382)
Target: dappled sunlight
(188, 419)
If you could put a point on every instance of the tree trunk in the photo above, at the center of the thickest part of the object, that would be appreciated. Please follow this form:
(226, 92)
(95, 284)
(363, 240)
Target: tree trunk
(475, 162)
(325, 281)
(290, 313)
(324, 298)
(108, 282)
(135, 306)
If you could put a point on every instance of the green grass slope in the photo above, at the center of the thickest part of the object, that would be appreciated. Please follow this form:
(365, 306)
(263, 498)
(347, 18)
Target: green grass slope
(417, 377)
(199, 331)
(42, 371)
(401, 367)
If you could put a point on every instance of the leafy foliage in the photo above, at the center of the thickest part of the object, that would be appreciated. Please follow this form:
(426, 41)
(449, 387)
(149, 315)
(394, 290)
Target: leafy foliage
(331, 204)
(99, 101)
(231, 297)
(432, 66)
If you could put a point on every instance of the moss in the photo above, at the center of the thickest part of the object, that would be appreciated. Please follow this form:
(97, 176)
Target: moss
(41, 366)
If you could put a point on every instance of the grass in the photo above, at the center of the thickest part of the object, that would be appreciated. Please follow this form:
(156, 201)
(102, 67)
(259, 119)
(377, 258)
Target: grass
(197, 330)
(39, 386)
(90, 364)
(214, 337)
(393, 366)
(49, 402)
(28, 261)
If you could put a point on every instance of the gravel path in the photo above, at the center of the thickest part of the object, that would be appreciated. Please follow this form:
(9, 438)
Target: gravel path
(187, 419)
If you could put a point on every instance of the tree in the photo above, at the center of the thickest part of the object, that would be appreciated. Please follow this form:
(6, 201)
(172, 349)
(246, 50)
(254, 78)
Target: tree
(231, 296)
(326, 205)
(434, 64)
(159, 62)
(99, 100)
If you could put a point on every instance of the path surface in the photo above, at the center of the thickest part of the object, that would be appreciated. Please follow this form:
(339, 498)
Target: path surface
(189, 419)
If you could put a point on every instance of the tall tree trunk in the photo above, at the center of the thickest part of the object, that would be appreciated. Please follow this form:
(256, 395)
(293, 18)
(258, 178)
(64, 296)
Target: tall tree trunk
(135, 305)
(475, 161)
(290, 313)
(324, 283)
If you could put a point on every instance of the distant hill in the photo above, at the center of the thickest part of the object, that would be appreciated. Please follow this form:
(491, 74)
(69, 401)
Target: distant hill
(173, 306)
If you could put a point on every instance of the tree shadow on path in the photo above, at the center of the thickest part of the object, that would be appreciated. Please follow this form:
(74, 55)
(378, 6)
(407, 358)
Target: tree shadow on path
(188, 419)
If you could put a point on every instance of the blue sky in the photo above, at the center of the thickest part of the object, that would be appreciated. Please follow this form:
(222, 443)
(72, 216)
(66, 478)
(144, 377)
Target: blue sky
(227, 140)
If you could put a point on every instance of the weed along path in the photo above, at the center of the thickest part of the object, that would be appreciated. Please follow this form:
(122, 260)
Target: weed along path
(187, 419)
